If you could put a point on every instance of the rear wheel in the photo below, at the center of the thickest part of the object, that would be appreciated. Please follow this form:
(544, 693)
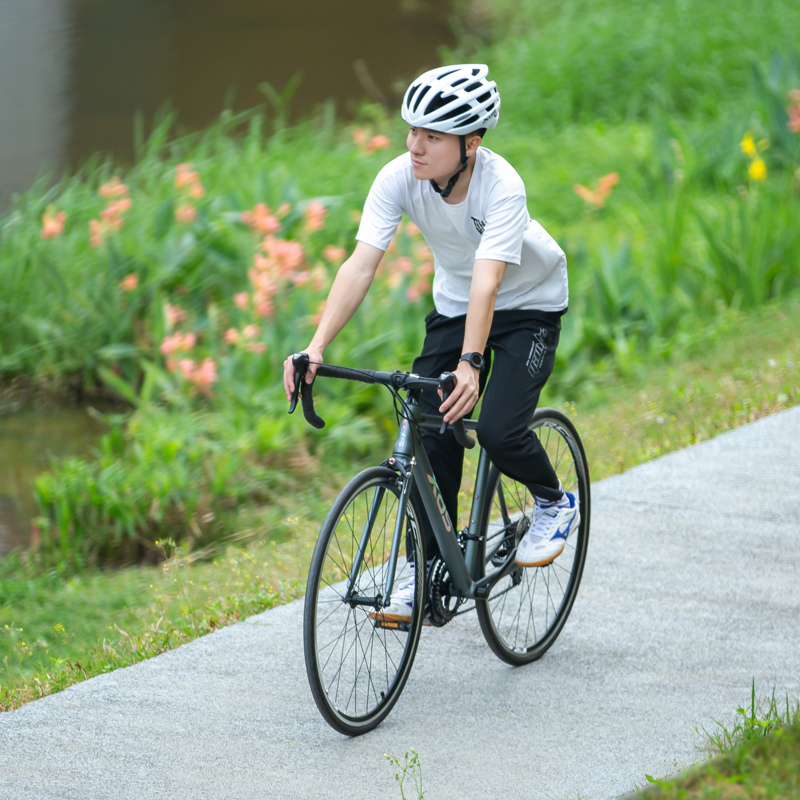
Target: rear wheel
(526, 610)
(357, 662)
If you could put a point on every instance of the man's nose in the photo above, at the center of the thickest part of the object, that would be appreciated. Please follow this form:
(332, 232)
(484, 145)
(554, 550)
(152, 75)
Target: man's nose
(416, 146)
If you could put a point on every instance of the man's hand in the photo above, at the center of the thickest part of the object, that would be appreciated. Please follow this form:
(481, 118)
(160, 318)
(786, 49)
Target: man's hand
(463, 398)
(314, 354)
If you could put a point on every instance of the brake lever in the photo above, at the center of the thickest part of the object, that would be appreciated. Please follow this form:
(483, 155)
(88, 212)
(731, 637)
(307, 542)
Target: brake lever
(300, 364)
(447, 382)
(300, 361)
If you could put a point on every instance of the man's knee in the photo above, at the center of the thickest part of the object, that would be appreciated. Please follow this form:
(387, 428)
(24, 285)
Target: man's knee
(494, 436)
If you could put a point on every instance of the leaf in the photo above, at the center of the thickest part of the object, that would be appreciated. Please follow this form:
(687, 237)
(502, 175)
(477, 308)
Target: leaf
(113, 352)
(120, 386)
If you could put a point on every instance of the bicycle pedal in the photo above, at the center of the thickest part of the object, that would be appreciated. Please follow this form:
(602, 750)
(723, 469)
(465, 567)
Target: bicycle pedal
(393, 625)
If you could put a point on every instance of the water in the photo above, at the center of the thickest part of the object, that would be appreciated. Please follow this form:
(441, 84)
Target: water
(76, 72)
(28, 440)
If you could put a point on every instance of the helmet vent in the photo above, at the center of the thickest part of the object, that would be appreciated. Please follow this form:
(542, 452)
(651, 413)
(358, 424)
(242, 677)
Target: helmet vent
(420, 96)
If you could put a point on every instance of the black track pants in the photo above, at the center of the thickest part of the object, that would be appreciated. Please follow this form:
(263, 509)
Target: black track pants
(521, 350)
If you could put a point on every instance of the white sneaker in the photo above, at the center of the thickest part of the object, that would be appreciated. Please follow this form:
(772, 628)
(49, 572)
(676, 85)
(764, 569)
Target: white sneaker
(546, 537)
(402, 602)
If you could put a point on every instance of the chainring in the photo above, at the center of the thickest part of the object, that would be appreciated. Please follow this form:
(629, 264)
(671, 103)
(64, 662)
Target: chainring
(443, 604)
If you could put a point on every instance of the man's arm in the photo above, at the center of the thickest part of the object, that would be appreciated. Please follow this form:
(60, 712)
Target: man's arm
(487, 276)
(349, 289)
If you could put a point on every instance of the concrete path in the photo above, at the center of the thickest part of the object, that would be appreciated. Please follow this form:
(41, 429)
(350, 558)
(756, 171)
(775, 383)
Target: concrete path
(691, 590)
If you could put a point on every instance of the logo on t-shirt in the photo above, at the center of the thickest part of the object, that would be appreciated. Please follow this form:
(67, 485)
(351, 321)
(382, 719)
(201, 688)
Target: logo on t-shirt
(480, 225)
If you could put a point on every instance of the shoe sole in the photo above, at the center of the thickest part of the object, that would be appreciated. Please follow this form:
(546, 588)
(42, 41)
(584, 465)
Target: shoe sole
(550, 559)
(542, 563)
(389, 618)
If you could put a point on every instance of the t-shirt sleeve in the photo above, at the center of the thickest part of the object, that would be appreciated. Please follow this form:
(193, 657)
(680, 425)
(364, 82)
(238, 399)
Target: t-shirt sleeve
(505, 227)
(382, 211)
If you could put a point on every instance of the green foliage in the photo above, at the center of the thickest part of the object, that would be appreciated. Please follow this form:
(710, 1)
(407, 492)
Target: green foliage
(410, 766)
(753, 722)
(178, 293)
(758, 757)
(559, 62)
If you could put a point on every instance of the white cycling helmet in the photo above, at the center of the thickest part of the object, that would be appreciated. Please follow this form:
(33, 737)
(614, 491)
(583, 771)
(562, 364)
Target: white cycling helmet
(454, 99)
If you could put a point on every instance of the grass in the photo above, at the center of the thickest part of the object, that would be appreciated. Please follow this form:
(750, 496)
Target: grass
(758, 757)
(744, 367)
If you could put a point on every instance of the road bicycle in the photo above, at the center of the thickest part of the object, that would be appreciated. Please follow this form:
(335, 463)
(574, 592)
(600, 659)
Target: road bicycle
(359, 660)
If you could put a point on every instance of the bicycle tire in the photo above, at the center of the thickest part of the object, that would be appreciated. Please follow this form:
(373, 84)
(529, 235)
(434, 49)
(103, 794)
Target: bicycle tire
(381, 656)
(508, 616)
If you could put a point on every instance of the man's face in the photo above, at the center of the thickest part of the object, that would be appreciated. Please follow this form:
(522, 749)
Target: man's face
(434, 156)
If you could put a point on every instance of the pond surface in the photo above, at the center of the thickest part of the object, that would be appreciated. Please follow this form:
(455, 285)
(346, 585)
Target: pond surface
(76, 72)
(28, 440)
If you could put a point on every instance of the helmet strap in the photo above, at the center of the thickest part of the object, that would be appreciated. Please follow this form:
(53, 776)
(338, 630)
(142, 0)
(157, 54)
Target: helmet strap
(462, 141)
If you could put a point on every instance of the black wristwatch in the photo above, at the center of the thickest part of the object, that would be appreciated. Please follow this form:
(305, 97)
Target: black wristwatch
(475, 360)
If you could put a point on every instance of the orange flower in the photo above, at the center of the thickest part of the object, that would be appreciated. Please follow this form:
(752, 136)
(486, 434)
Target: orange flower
(334, 254)
(256, 347)
(185, 176)
(264, 306)
(114, 188)
(597, 198)
(231, 336)
(174, 315)
(315, 216)
(205, 374)
(130, 282)
(403, 265)
(261, 220)
(196, 191)
(423, 252)
(251, 331)
(186, 213)
(52, 224)
(412, 229)
(113, 212)
(379, 142)
(187, 368)
(793, 110)
(360, 138)
(97, 229)
(426, 268)
(241, 299)
(300, 278)
(289, 255)
(177, 343)
(319, 276)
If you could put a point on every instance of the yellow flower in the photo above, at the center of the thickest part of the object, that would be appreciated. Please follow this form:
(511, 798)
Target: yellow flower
(748, 145)
(757, 170)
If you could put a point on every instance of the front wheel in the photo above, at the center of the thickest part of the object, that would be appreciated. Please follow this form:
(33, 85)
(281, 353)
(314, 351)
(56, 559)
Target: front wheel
(358, 662)
(526, 610)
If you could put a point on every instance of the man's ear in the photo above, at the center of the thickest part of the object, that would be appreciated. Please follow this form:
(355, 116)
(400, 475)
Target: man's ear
(472, 144)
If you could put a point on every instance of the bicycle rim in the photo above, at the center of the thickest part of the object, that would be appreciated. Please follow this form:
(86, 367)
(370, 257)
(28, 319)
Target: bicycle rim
(356, 665)
(527, 609)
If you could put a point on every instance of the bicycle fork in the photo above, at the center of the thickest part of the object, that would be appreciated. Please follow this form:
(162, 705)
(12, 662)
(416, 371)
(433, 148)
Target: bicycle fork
(385, 599)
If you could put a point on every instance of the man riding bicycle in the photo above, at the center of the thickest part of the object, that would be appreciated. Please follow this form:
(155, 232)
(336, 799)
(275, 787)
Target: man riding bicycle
(499, 291)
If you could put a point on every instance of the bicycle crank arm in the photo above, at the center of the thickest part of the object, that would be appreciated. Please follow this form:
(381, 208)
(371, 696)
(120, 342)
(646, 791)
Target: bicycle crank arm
(485, 585)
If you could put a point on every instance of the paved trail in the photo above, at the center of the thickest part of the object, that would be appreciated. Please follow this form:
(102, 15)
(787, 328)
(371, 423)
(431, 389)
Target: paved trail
(691, 590)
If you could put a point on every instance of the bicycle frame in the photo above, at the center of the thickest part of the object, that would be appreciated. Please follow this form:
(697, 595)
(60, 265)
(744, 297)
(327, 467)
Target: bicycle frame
(411, 460)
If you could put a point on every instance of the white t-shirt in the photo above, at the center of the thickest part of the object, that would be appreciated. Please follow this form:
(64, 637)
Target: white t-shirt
(492, 223)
